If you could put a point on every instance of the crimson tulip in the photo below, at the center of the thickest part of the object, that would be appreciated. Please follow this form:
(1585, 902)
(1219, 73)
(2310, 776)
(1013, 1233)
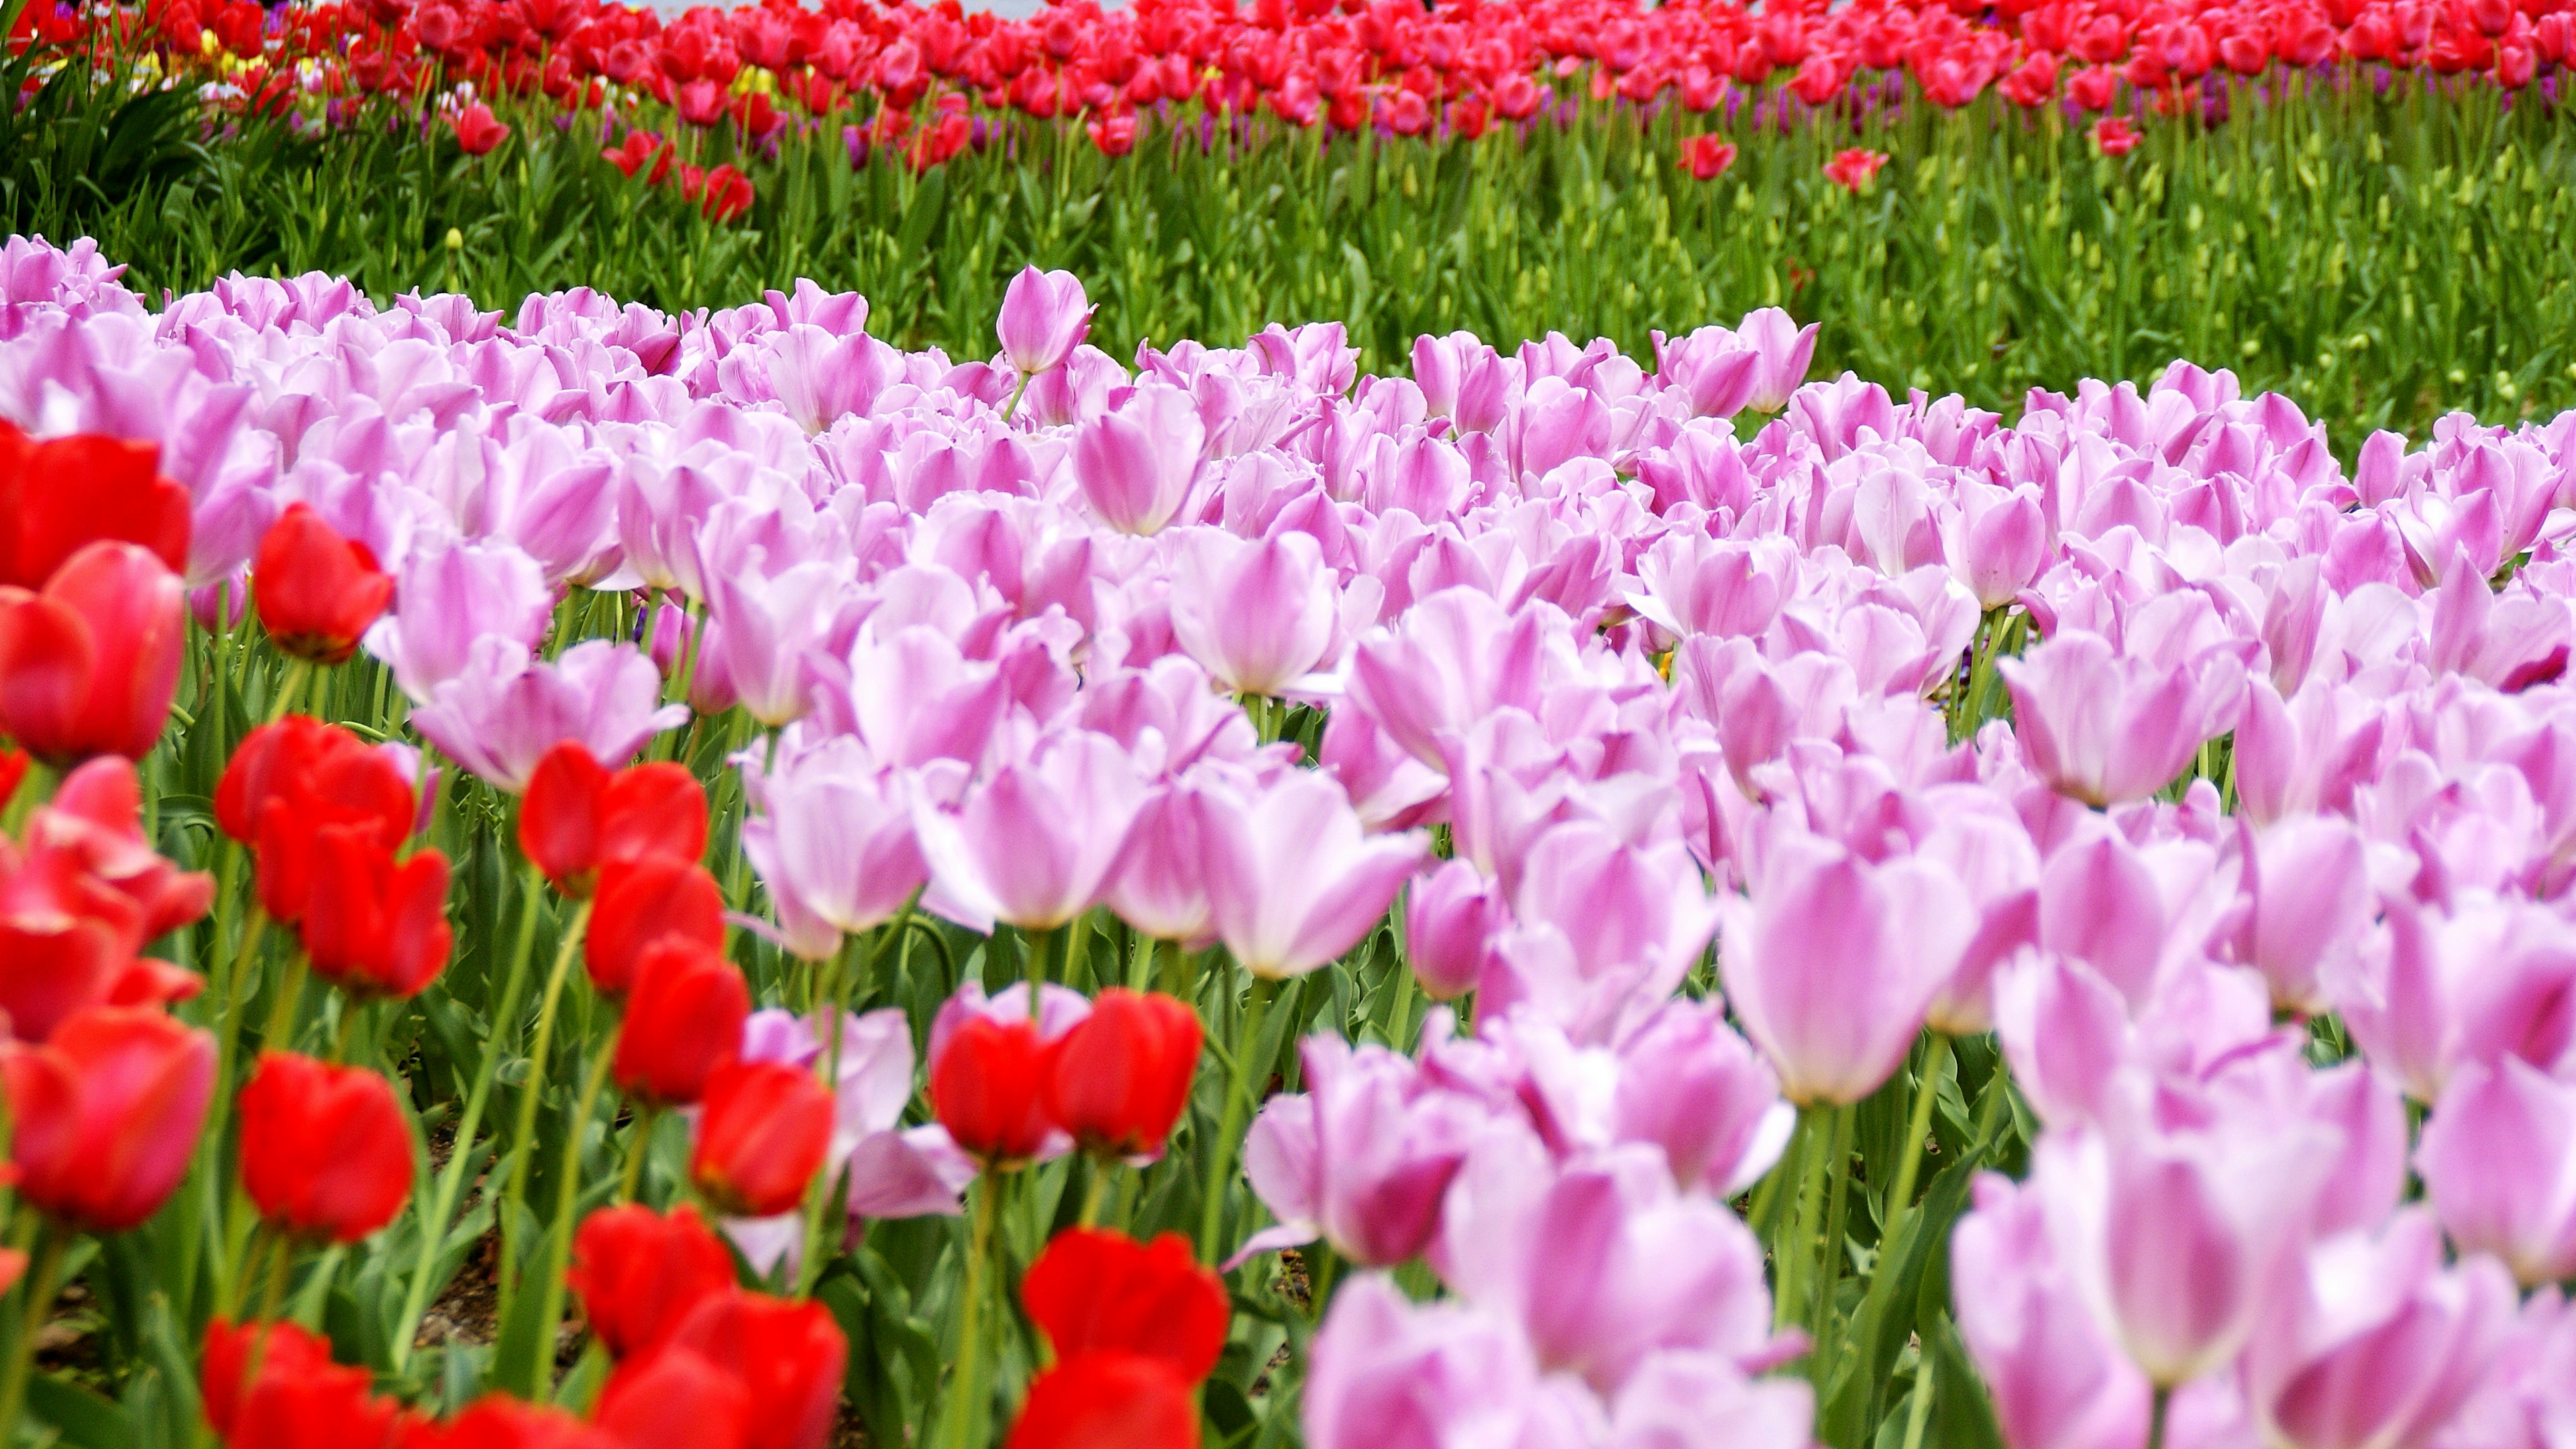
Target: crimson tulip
(640, 904)
(639, 1273)
(764, 1129)
(674, 1398)
(63, 493)
(325, 1152)
(89, 666)
(234, 1352)
(578, 816)
(477, 130)
(684, 1019)
(789, 1354)
(324, 1406)
(315, 590)
(1108, 1401)
(81, 901)
(497, 1421)
(1707, 157)
(987, 1087)
(1119, 1078)
(290, 779)
(105, 1114)
(376, 926)
(1104, 1292)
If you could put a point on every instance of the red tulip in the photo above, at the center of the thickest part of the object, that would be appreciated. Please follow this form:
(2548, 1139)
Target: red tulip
(763, 1131)
(325, 1152)
(375, 926)
(1707, 157)
(1104, 1292)
(639, 904)
(1114, 135)
(684, 1019)
(316, 591)
(1118, 1080)
(673, 1398)
(497, 1421)
(321, 1406)
(1107, 1401)
(89, 666)
(81, 901)
(477, 131)
(289, 780)
(63, 493)
(2115, 136)
(106, 1114)
(578, 816)
(639, 1273)
(95, 822)
(1851, 169)
(225, 1371)
(790, 1355)
(987, 1087)
(13, 772)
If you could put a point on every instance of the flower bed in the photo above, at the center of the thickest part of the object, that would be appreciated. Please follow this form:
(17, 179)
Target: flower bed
(1229, 899)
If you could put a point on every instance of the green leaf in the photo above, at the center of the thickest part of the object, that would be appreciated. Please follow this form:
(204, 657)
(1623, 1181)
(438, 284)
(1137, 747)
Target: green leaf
(80, 1415)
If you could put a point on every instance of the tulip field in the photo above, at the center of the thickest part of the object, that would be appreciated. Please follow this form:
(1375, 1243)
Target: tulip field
(1516, 724)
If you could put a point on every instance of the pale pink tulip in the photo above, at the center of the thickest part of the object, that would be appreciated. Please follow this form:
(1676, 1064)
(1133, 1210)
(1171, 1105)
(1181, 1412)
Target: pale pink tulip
(1033, 845)
(1257, 615)
(1292, 880)
(1136, 466)
(1361, 1159)
(1044, 317)
(2105, 728)
(505, 710)
(1450, 921)
(2499, 1162)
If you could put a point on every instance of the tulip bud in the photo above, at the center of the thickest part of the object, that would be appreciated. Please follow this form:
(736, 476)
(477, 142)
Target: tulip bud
(986, 1087)
(105, 1115)
(375, 926)
(90, 665)
(578, 817)
(1104, 1292)
(762, 1135)
(1044, 317)
(639, 1273)
(683, 1020)
(639, 905)
(1449, 928)
(325, 1152)
(316, 591)
(1119, 1079)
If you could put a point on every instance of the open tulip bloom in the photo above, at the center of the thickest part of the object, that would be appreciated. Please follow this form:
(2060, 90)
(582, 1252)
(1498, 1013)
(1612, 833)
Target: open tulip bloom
(1042, 903)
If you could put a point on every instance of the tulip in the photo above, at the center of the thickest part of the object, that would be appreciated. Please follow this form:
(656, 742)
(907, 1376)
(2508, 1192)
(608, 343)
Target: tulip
(1712, 368)
(1044, 317)
(497, 1421)
(1292, 880)
(1159, 888)
(763, 1132)
(675, 1398)
(315, 590)
(66, 945)
(988, 1086)
(1852, 167)
(105, 1115)
(2056, 1380)
(790, 1355)
(1386, 1373)
(321, 1406)
(1785, 348)
(1034, 845)
(1119, 1078)
(639, 1273)
(1833, 962)
(1136, 466)
(577, 817)
(1608, 930)
(1451, 918)
(769, 631)
(2433, 993)
(892, 1171)
(1706, 158)
(58, 495)
(1996, 543)
(477, 132)
(836, 847)
(2106, 728)
(325, 1151)
(642, 904)
(375, 926)
(1361, 1158)
(234, 1352)
(506, 710)
(2496, 1161)
(452, 595)
(1257, 615)
(1101, 1399)
(2311, 904)
(683, 1021)
(1104, 1292)
(289, 780)
(89, 666)
(1695, 1089)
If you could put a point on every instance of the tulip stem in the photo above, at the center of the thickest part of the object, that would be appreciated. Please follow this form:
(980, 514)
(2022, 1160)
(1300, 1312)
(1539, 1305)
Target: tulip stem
(1039, 942)
(433, 1229)
(968, 1407)
(50, 1243)
(515, 1181)
(559, 1222)
(1936, 1058)
(1239, 1089)
(1093, 1189)
(226, 997)
(280, 1035)
(639, 1146)
(1919, 1410)
(2156, 1417)
(1830, 1269)
(1815, 1146)
(291, 690)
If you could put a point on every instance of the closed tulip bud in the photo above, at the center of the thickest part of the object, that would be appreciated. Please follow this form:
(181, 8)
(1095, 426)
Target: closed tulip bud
(61, 494)
(1136, 466)
(1044, 317)
(105, 1115)
(497, 1421)
(1108, 1398)
(683, 1020)
(789, 1354)
(376, 926)
(1449, 928)
(988, 1068)
(674, 1398)
(578, 816)
(1104, 1292)
(316, 591)
(90, 665)
(287, 782)
(763, 1131)
(1119, 1079)
(640, 904)
(325, 1152)
(639, 1273)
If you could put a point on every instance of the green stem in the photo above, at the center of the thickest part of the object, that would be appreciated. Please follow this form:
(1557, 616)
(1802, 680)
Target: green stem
(451, 1180)
(317, 1289)
(41, 1284)
(1238, 1101)
(1101, 1168)
(1830, 1264)
(967, 1409)
(1815, 1131)
(515, 1180)
(1039, 942)
(559, 1234)
(297, 672)
(1918, 1412)
(1936, 1058)
(280, 1035)
(639, 1146)
(2156, 1417)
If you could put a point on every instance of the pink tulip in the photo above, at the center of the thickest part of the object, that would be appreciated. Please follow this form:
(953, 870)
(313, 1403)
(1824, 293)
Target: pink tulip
(1044, 317)
(2307, 754)
(1453, 659)
(1997, 542)
(1292, 880)
(1603, 1261)
(767, 632)
(2065, 1030)
(2055, 1378)
(1361, 1159)
(1159, 889)
(1712, 369)
(914, 697)
(2379, 1344)
(1693, 1087)
(507, 709)
(1034, 844)
(1833, 962)
(834, 847)
(450, 596)
(1680, 1398)
(1257, 615)
(1450, 921)
(2310, 904)
(1607, 930)
(1785, 348)
(2431, 993)
(2499, 1161)
(1136, 466)
(1386, 1373)
(2104, 727)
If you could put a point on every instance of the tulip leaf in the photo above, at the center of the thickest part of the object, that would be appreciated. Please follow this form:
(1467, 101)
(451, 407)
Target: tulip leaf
(80, 1415)
(1887, 1315)
(1961, 1416)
